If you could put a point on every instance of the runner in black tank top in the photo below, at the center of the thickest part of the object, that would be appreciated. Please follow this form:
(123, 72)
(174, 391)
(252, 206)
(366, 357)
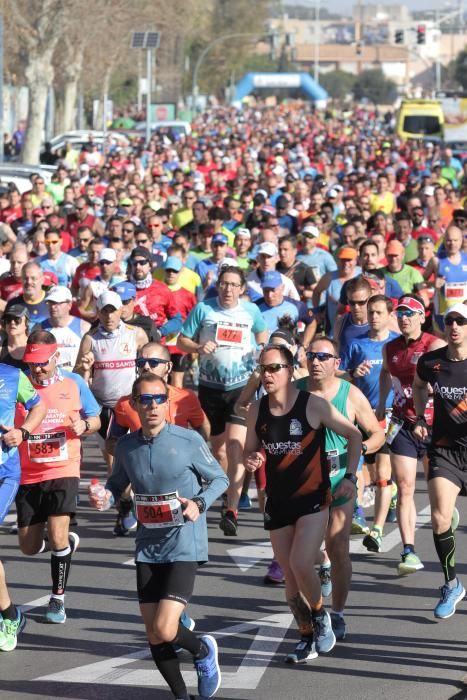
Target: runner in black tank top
(287, 426)
(297, 477)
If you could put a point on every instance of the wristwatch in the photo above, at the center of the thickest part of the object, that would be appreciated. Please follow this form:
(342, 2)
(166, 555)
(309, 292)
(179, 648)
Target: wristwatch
(364, 448)
(351, 477)
(25, 433)
(200, 503)
(88, 425)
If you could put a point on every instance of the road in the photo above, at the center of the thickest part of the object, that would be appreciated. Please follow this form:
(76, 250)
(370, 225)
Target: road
(394, 647)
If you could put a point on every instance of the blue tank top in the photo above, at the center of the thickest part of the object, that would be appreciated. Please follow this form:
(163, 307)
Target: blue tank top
(350, 331)
(455, 286)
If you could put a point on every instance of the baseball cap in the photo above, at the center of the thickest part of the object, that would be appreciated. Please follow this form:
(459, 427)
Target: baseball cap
(410, 303)
(108, 298)
(125, 202)
(310, 231)
(395, 248)
(39, 352)
(347, 253)
(140, 252)
(460, 309)
(59, 294)
(49, 279)
(267, 248)
(16, 310)
(219, 238)
(242, 232)
(332, 193)
(173, 263)
(271, 280)
(227, 262)
(125, 290)
(107, 254)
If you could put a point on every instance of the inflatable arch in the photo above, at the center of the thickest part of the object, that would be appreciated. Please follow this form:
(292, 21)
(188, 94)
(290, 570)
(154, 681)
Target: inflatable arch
(253, 81)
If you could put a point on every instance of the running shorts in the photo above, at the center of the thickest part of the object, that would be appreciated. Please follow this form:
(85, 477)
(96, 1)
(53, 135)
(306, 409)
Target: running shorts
(105, 417)
(180, 363)
(219, 407)
(406, 444)
(449, 463)
(288, 512)
(8, 489)
(36, 502)
(168, 581)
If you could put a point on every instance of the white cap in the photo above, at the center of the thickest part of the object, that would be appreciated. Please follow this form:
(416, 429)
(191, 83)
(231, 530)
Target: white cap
(243, 232)
(59, 294)
(429, 191)
(108, 298)
(108, 254)
(332, 193)
(199, 187)
(84, 167)
(232, 262)
(267, 248)
(460, 309)
(312, 230)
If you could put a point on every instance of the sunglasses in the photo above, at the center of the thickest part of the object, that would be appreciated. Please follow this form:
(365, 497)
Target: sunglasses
(354, 302)
(115, 239)
(10, 319)
(154, 225)
(128, 230)
(320, 356)
(272, 368)
(42, 364)
(83, 240)
(142, 241)
(406, 312)
(148, 399)
(140, 262)
(459, 320)
(153, 362)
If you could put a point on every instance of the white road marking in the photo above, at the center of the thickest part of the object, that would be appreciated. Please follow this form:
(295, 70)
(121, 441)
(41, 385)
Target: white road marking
(38, 603)
(129, 562)
(271, 631)
(249, 555)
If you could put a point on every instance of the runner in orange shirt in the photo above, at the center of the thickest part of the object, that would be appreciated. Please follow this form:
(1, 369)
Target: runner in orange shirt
(50, 464)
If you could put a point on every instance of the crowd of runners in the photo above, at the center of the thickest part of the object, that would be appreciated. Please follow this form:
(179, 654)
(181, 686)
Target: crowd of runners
(280, 296)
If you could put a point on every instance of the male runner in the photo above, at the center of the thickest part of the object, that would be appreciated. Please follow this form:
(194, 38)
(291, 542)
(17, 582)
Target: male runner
(14, 388)
(165, 465)
(400, 358)
(445, 370)
(50, 464)
(323, 362)
(288, 425)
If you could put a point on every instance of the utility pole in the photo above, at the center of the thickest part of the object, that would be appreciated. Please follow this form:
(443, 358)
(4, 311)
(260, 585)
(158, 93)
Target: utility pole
(1, 86)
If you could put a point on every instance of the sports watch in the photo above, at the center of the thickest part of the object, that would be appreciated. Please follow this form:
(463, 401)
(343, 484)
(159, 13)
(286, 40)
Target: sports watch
(25, 433)
(200, 503)
(351, 477)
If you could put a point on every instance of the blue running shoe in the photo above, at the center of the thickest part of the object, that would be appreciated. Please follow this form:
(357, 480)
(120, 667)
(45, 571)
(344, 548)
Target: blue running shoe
(338, 626)
(359, 524)
(209, 673)
(304, 651)
(448, 600)
(325, 637)
(244, 502)
(55, 611)
(324, 574)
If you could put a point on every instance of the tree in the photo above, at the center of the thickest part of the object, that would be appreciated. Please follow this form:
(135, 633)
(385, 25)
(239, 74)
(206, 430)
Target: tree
(460, 69)
(338, 83)
(374, 86)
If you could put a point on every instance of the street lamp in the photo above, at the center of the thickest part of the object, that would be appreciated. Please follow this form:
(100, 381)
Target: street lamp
(147, 41)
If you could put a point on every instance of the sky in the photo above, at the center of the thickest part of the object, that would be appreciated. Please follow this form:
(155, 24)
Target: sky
(345, 6)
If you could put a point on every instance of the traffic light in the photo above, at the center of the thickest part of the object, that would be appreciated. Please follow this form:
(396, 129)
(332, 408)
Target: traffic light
(421, 34)
(358, 48)
(399, 36)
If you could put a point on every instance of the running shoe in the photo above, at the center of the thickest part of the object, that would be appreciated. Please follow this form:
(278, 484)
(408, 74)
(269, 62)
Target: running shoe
(448, 600)
(274, 573)
(374, 540)
(187, 622)
(391, 517)
(73, 539)
(338, 626)
(244, 502)
(409, 564)
(455, 520)
(359, 525)
(304, 651)
(14, 528)
(9, 630)
(324, 574)
(120, 530)
(325, 637)
(369, 496)
(229, 524)
(55, 611)
(208, 670)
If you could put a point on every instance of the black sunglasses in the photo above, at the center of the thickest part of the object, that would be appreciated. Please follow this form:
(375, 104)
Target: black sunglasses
(153, 362)
(320, 356)
(449, 321)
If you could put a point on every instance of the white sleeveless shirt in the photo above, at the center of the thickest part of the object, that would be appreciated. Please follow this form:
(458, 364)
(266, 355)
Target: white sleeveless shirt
(114, 362)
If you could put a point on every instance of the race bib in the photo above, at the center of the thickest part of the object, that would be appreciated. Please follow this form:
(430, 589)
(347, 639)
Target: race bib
(164, 510)
(48, 447)
(393, 429)
(334, 462)
(455, 291)
(230, 333)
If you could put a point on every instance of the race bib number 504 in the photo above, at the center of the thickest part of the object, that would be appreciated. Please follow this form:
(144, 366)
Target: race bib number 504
(163, 510)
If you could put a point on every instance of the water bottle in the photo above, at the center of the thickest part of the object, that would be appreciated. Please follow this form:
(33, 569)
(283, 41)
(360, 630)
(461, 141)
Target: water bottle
(97, 489)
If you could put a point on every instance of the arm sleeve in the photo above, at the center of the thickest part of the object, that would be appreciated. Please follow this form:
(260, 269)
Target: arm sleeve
(26, 393)
(173, 325)
(118, 480)
(209, 469)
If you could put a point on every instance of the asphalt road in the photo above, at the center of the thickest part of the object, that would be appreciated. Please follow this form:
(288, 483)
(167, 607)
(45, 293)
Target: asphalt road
(394, 647)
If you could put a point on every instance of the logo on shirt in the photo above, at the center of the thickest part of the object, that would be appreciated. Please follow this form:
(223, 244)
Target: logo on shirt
(395, 358)
(124, 348)
(437, 367)
(295, 427)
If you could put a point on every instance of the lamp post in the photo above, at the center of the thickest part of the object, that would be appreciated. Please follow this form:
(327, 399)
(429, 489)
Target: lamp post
(149, 41)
